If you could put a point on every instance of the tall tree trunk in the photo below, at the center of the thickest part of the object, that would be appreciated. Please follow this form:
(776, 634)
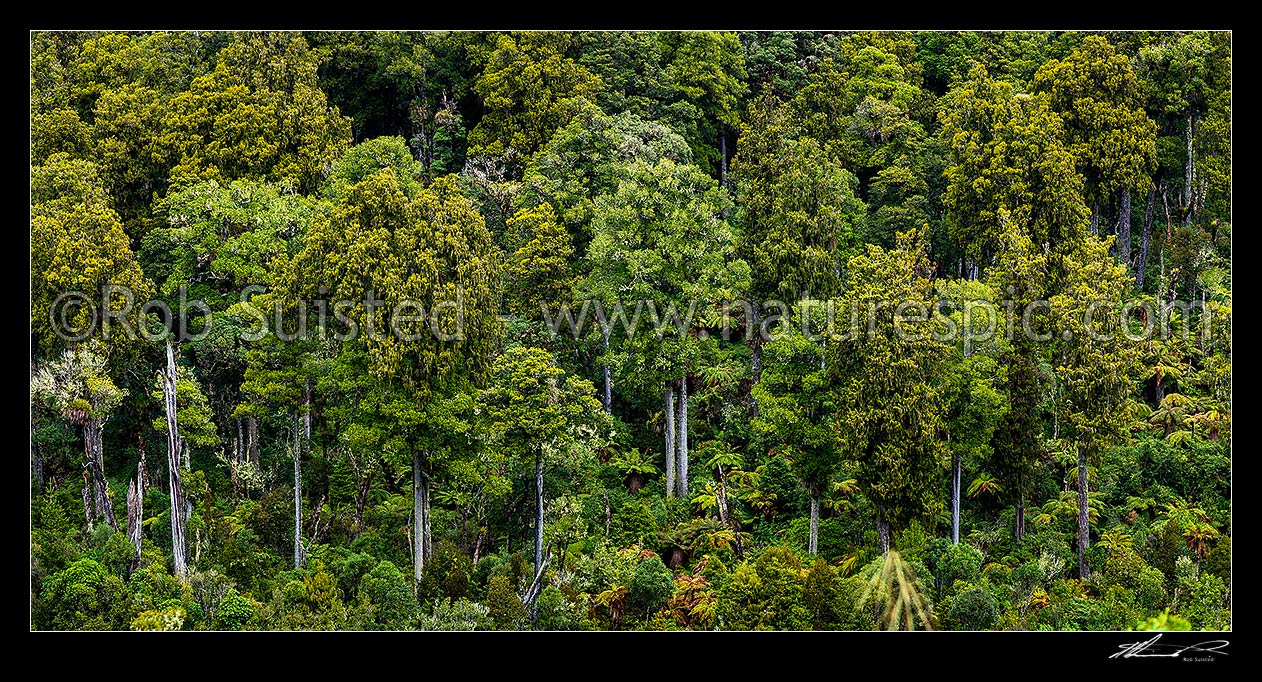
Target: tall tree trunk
(813, 544)
(681, 456)
(179, 511)
(1084, 527)
(477, 546)
(1142, 264)
(955, 498)
(252, 438)
(87, 501)
(1018, 531)
(608, 393)
(427, 532)
(421, 546)
(722, 502)
(297, 491)
(1095, 219)
(883, 533)
(669, 395)
(142, 470)
(37, 463)
(755, 362)
(1124, 229)
(1189, 175)
(135, 514)
(93, 446)
(608, 514)
(538, 512)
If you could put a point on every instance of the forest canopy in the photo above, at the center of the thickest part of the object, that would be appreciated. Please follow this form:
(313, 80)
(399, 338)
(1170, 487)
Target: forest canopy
(630, 330)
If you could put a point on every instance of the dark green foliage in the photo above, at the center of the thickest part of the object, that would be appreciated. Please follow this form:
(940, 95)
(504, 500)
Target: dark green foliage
(390, 592)
(765, 594)
(974, 609)
(446, 574)
(506, 610)
(554, 611)
(960, 563)
(54, 543)
(821, 594)
(235, 611)
(83, 597)
(650, 587)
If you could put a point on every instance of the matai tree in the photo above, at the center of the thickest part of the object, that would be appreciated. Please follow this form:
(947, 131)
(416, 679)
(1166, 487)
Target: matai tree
(420, 273)
(885, 365)
(1114, 143)
(1096, 362)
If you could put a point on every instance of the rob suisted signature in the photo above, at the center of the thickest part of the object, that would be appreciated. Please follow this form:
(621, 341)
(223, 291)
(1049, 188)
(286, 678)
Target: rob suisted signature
(1151, 649)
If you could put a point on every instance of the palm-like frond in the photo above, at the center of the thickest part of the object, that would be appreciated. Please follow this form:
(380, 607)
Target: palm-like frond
(984, 484)
(1116, 540)
(633, 461)
(895, 588)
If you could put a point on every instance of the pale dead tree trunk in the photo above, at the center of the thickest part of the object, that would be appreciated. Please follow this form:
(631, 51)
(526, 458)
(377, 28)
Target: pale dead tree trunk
(722, 503)
(538, 512)
(142, 470)
(813, 544)
(536, 585)
(297, 491)
(681, 456)
(428, 535)
(1124, 229)
(93, 449)
(1189, 176)
(1018, 532)
(317, 532)
(955, 498)
(755, 342)
(477, 545)
(883, 532)
(420, 516)
(669, 428)
(1145, 239)
(608, 514)
(1084, 520)
(238, 445)
(135, 514)
(1095, 219)
(608, 393)
(252, 439)
(87, 501)
(178, 507)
